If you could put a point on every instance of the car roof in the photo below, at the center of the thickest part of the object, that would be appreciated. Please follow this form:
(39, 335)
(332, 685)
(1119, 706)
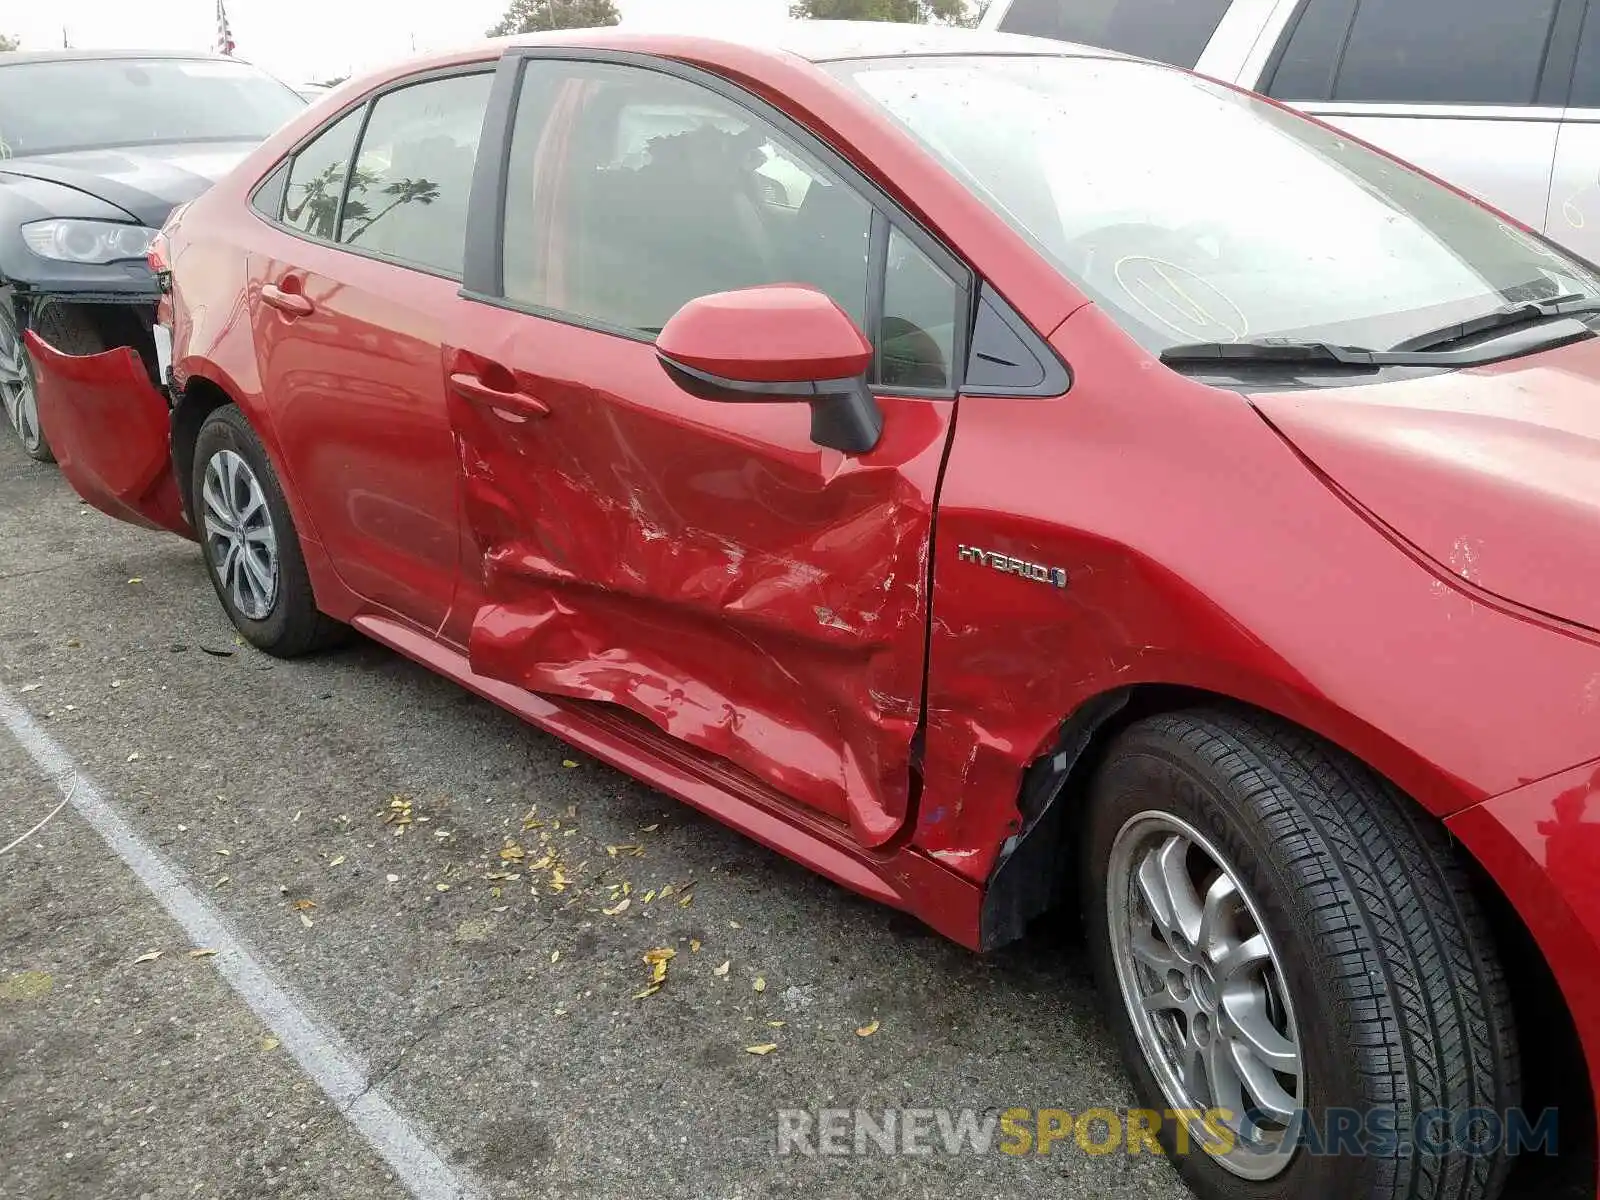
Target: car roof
(824, 41)
(35, 56)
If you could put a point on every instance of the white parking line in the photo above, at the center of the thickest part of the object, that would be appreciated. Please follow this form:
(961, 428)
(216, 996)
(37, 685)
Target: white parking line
(337, 1070)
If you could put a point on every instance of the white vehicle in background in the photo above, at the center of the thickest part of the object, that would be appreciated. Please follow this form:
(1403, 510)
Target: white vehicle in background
(1500, 98)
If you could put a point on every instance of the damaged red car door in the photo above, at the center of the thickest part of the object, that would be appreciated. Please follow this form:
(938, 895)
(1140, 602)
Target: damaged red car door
(82, 399)
(707, 565)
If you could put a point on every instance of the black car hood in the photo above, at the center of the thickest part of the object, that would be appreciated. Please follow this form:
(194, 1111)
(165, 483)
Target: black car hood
(146, 182)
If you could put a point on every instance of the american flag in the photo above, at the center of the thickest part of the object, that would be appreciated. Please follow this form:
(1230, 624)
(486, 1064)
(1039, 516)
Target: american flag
(224, 34)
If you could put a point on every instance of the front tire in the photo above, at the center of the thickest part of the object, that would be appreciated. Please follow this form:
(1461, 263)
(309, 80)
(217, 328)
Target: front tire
(1277, 933)
(19, 394)
(248, 537)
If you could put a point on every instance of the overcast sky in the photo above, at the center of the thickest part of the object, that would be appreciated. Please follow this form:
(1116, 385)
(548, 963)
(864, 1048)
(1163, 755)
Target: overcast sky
(302, 40)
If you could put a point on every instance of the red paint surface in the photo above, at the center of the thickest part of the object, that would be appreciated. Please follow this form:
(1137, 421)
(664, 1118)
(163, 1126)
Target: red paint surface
(1494, 473)
(702, 596)
(786, 334)
(700, 563)
(109, 429)
(1541, 844)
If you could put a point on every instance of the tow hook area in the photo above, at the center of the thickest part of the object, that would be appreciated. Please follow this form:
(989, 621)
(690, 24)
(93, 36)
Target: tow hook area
(111, 432)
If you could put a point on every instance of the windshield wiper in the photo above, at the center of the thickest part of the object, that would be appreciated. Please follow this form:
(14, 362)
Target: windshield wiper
(1502, 318)
(1547, 335)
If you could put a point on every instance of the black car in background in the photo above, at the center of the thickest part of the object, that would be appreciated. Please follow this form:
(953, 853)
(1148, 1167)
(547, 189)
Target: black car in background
(96, 149)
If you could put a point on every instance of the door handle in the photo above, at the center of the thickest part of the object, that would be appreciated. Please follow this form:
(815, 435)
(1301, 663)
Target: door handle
(515, 407)
(291, 303)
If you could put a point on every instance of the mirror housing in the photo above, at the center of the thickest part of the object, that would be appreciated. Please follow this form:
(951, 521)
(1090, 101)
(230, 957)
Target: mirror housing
(783, 342)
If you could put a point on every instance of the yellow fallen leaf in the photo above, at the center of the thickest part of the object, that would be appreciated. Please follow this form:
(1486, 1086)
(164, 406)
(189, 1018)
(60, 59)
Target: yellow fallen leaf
(148, 956)
(760, 984)
(650, 828)
(867, 1030)
(686, 901)
(25, 985)
(206, 953)
(223, 852)
(650, 895)
(764, 1049)
(664, 954)
(269, 1043)
(555, 955)
(441, 887)
(567, 762)
(620, 906)
(136, 579)
(649, 991)
(777, 1024)
(694, 945)
(723, 969)
(338, 861)
(303, 905)
(735, 925)
(220, 881)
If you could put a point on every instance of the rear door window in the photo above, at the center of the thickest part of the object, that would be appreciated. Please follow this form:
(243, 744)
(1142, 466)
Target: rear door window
(1586, 75)
(1170, 31)
(408, 194)
(1416, 52)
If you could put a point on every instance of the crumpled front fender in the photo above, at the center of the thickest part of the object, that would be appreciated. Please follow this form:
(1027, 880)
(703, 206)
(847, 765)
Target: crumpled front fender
(111, 432)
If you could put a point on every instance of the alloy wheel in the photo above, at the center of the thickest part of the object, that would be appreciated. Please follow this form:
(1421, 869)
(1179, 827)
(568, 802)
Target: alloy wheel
(239, 537)
(1205, 992)
(17, 391)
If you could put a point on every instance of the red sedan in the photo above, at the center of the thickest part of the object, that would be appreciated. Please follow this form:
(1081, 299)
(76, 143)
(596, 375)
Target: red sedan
(987, 471)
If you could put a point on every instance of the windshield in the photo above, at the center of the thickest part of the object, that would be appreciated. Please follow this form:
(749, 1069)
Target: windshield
(85, 104)
(1193, 213)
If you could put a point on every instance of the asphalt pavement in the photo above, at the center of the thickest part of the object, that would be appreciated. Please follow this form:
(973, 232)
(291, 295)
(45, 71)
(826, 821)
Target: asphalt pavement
(438, 889)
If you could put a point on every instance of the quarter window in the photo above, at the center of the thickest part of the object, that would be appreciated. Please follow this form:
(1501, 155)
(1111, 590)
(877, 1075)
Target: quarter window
(631, 192)
(413, 177)
(1416, 51)
(921, 309)
(1171, 31)
(316, 180)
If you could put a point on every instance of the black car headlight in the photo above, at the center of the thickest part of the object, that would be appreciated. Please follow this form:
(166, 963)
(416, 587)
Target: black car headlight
(71, 240)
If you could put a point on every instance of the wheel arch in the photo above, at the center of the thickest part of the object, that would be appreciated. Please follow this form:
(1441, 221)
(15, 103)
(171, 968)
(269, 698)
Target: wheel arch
(1035, 873)
(201, 395)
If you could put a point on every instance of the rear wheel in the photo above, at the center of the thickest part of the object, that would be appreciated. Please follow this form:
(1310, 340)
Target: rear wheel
(251, 548)
(1290, 952)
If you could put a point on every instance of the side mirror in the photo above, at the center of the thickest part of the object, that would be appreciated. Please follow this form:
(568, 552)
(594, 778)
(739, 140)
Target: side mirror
(785, 342)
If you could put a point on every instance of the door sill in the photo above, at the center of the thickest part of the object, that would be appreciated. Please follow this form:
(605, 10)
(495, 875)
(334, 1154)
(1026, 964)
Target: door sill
(905, 878)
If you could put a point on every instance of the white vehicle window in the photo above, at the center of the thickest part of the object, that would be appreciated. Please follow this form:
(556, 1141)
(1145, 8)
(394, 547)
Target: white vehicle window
(1416, 51)
(1193, 213)
(1172, 31)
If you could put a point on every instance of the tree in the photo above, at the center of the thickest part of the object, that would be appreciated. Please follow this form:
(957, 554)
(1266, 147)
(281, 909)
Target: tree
(535, 16)
(9, 42)
(949, 12)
